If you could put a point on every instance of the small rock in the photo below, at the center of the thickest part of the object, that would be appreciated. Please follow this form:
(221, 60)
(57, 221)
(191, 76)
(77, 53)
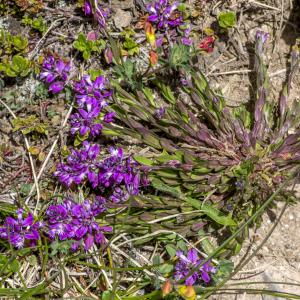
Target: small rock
(122, 18)
(122, 4)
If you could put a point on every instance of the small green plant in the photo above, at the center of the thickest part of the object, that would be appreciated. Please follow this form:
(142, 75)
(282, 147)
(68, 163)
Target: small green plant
(30, 124)
(12, 44)
(127, 74)
(94, 73)
(227, 19)
(35, 23)
(131, 47)
(18, 66)
(19, 43)
(86, 46)
(179, 57)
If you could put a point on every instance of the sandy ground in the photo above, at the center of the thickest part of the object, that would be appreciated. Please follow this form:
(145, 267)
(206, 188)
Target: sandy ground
(279, 259)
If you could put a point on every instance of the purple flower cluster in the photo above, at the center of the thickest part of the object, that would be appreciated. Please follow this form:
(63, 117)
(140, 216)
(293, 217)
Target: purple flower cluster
(73, 221)
(100, 14)
(21, 231)
(66, 221)
(91, 97)
(166, 16)
(116, 173)
(81, 165)
(191, 262)
(55, 72)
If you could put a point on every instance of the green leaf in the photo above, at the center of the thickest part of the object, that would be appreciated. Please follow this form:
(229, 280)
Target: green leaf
(165, 268)
(39, 24)
(193, 202)
(131, 46)
(167, 92)
(14, 266)
(167, 173)
(171, 250)
(156, 260)
(86, 54)
(225, 268)
(181, 244)
(149, 95)
(20, 43)
(227, 19)
(19, 66)
(181, 7)
(143, 160)
(107, 295)
(217, 215)
(205, 242)
(25, 189)
(179, 56)
(159, 185)
(94, 73)
(32, 259)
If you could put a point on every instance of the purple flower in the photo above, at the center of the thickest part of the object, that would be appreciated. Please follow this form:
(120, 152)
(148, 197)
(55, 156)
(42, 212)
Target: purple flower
(87, 8)
(55, 72)
(70, 220)
(91, 97)
(109, 117)
(87, 121)
(56, 87)
(261, 38)
(160, 112)
(116, 176)
(164, 14)
(80, 165)
(169, 20)
(119, 195)
(116, 170)
(100, 13)
(185, 39)
(191, 262)
(87, 91)
(22, 231)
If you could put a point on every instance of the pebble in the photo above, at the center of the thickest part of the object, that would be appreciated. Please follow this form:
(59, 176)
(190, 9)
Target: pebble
(124, 4)
(122, 18)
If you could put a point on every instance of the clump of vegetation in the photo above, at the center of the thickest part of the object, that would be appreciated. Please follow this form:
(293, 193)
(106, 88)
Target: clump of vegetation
(88, 45)
(12, 44)
(225, 161)
(154, 180)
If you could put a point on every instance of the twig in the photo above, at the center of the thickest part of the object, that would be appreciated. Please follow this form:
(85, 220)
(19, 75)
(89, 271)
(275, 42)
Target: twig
(232, 72)
(99, 264)
(136, 263)
(157, 233)
(263, 5)
(36, 48)
(49, 155)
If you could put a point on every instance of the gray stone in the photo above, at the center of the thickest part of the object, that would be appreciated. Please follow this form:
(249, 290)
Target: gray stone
(122, 4)
(122, 18)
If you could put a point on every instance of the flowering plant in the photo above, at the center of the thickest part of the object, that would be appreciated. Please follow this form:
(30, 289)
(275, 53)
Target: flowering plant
(168, 19)
(77, 221)
(97, 11)
(190, 263)
(55, 72)
(115, 175)
(21, 231)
